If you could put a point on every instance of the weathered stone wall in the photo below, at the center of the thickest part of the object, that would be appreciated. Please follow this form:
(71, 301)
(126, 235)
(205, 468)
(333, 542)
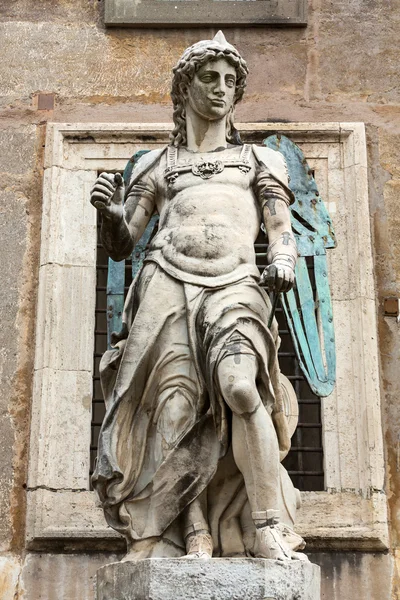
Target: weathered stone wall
(342, 67)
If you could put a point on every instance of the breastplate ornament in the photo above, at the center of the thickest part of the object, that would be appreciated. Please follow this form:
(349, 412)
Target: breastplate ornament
(207, 168)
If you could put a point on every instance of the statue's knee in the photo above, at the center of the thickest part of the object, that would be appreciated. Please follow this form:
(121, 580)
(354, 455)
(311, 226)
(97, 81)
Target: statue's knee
(244, 396)
(239, 393)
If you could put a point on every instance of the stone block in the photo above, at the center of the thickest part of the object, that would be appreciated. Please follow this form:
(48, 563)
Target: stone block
(69, 220)
(72, 517)
(47, 576)
(65, 318)
(219, 578)
(61, 418)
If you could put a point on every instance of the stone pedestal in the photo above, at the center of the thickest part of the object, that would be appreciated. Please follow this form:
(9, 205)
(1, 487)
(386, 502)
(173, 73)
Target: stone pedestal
(216, 579)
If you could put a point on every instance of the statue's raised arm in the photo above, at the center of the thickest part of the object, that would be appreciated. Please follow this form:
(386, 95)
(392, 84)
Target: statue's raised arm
(122, 226)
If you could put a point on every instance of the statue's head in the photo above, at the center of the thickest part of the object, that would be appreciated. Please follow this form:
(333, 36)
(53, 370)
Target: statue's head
(191, 62)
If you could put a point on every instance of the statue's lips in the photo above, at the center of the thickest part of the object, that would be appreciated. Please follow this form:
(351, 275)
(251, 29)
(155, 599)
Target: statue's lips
(217, 102)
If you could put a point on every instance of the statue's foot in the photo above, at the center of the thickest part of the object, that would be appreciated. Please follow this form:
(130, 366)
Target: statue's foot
(278, 542)
(199, 545)
(292, 539)
(300, 556)
(201, 555)
(270, 544)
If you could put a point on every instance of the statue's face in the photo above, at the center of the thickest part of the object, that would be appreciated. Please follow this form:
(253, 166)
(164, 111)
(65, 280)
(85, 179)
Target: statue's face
(212, 89)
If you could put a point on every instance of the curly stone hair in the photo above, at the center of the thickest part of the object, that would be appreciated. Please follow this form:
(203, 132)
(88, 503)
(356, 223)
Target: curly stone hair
(192, 59)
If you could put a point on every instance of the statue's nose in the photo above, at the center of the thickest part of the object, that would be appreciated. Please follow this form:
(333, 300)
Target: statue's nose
(220, 87)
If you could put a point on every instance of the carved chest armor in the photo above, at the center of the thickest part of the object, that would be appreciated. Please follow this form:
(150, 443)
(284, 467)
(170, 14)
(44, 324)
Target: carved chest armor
(204, 168)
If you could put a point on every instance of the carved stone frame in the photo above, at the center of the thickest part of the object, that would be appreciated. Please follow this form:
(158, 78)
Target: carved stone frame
(351, 514)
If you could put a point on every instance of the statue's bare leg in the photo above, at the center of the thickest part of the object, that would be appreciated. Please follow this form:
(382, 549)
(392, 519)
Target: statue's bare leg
(255, 450)
(197, 535)
(254, 440)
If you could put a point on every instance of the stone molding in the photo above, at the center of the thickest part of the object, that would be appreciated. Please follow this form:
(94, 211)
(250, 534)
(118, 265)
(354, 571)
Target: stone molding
(186, 13)
(351, 514)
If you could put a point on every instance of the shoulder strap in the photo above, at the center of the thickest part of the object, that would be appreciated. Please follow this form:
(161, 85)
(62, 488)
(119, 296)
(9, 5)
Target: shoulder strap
(245, 153)
(172, 156)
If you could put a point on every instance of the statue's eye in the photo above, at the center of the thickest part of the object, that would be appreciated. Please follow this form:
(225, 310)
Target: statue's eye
(230, 81)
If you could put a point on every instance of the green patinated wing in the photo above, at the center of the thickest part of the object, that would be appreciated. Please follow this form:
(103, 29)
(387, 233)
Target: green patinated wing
(308, 307)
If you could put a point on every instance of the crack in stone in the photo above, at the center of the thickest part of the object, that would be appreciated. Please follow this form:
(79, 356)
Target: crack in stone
(51, 489)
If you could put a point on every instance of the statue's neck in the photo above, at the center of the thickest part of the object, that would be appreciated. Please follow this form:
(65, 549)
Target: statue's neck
(203, 135)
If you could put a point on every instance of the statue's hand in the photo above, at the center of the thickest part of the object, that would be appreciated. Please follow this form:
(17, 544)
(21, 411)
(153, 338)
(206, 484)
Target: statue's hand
(278, 277)
(107, 195)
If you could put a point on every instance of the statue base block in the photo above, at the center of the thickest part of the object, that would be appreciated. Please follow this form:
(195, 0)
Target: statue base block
(216, 579)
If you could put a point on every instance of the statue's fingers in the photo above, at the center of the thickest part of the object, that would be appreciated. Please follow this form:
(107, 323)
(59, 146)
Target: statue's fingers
(99, 197)
(286, 285)
(99, 205)
(286, 280)
(282, 283)
(279, 279)
(102, 189)
(107, 176)
(106, 183)
(290, 281)
(270, 277)
(118, 179)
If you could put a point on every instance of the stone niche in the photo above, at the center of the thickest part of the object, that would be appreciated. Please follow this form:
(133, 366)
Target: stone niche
(192, 13)
(351, 512)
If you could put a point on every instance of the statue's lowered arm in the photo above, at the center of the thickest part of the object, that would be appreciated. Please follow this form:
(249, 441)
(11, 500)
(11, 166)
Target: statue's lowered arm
(282, 251)
(122, 224)
(274, 197)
